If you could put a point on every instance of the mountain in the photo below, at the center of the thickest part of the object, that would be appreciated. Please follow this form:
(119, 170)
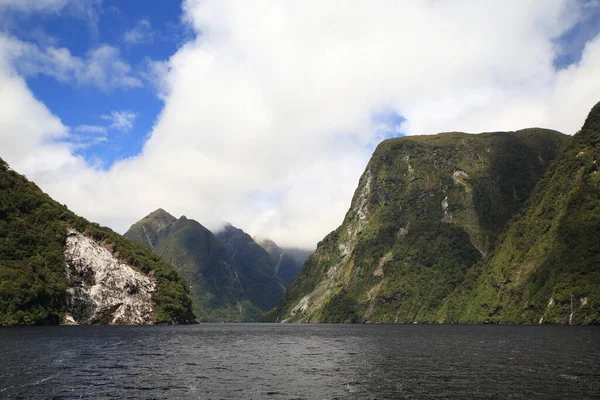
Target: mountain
(231, 277)
(426, 210)
(203, 261)
(288, 262)
(56, 267)
(261, 284)
(147, 230)
(546, 267)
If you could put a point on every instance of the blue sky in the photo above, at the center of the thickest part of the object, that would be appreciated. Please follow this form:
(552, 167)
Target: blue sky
(258, 113)
(142, 31)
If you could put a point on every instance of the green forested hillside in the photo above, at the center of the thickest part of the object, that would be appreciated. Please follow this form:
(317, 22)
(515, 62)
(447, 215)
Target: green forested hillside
(202, 260)
(426, 210)
(231, 277)
(546, 267)
(33, 230)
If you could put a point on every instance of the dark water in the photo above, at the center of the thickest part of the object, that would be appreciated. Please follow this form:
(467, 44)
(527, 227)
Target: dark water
(215, 361)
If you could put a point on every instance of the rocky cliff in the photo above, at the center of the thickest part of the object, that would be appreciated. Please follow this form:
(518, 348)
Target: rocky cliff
(426, 210)
(102, 289)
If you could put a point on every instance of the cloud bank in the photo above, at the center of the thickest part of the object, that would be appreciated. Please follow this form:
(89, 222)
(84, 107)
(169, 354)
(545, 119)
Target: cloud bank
(272, 111)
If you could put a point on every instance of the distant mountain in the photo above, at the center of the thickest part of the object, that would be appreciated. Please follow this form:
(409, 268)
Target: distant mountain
(288, 262)
(256, 268)
(426, 210)
(231, 277)
(56, 267)
(201, 258)
(546, 267)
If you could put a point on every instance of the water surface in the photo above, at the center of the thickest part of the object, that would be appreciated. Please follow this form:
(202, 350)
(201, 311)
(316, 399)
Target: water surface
(255, 361)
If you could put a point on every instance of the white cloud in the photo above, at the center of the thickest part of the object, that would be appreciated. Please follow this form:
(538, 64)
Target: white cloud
(268, 116)
(91, 129)
(102, 67)
(142, 33)
(121, 120)
(33, 5)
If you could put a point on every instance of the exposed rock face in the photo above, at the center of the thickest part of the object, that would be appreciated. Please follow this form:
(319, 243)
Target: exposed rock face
(102, 290)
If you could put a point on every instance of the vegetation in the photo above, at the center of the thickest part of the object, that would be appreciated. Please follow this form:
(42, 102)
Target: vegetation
(33, 231)
(546, 266)
(426, 210)
(231, 278)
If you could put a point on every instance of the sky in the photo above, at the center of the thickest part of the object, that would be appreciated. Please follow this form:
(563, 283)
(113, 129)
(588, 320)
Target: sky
(264, 114)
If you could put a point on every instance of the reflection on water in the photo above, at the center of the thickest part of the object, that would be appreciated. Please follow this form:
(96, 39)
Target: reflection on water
(255, 361)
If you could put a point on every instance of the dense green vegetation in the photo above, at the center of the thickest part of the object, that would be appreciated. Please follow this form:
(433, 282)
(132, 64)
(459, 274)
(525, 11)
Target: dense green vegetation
(33, 231)
(426, 210)
(231, 277)
(201, 259)
(547, 263)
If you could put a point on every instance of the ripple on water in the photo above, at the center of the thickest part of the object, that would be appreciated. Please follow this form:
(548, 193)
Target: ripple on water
(300, 362)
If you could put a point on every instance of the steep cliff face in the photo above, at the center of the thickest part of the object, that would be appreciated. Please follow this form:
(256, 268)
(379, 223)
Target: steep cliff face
(103, 290)
(427, 208)
(35, 248)
(546, 267)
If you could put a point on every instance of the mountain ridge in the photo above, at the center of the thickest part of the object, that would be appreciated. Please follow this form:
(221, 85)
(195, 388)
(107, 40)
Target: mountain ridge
(231, 277)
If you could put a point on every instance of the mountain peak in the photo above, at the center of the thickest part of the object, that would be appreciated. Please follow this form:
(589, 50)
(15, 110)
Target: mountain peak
(592, 122)
(160, 214)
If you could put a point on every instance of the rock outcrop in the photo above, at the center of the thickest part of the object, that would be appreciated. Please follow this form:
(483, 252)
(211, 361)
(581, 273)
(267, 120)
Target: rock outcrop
(103, 290)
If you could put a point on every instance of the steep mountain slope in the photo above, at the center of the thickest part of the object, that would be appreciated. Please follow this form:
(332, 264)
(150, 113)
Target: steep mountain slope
(255, 267)
(546, 267)
(231, 277)
(57, 267)
(286, 266)
(203, 261)
(427, 208)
